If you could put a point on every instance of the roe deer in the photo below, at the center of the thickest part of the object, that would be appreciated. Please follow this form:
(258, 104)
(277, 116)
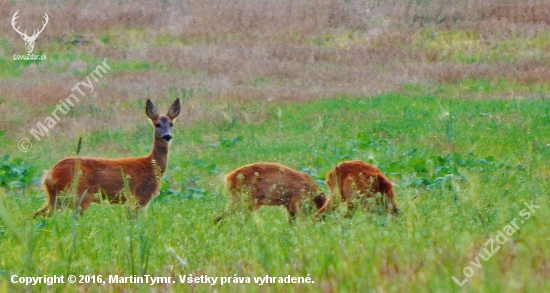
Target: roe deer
(271, 184)
(357, 181)
(111, 177)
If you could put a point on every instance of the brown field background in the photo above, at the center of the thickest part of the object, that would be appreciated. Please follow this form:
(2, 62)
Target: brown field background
(231, 53)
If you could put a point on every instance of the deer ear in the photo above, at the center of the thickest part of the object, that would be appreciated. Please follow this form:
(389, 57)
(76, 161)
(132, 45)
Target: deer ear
(151, 110)
(174, 110)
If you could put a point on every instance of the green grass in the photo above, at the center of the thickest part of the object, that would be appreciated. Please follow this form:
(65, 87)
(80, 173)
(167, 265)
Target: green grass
(59, 60)
(10, 69)
(462, 169)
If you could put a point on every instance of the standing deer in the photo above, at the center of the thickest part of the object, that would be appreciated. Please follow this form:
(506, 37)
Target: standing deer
(111, 177)
(270, 184)
(29, 41)
(359, 182)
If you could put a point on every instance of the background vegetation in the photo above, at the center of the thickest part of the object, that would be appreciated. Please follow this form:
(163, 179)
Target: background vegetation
(448, 98)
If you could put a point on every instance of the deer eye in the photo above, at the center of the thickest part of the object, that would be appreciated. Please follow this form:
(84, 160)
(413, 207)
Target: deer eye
(171, 124)
(157, 124)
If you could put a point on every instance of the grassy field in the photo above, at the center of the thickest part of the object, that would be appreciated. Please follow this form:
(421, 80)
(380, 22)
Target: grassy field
(448, 98)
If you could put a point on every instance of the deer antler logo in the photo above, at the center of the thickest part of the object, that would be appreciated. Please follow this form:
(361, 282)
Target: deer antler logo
(29, 41)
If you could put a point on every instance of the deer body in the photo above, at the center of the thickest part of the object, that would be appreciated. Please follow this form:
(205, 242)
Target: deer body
(357, 181)
(271, 184)
(109, 177)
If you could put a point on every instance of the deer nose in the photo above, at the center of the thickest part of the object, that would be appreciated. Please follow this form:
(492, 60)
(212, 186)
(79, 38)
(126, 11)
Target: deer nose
(167, 137)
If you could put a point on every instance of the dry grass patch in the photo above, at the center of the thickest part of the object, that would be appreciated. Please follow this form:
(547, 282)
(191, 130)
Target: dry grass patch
(236, 51)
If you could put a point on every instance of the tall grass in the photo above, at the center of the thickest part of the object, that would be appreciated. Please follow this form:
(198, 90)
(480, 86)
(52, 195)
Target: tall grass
(461, 131)
(455, 195)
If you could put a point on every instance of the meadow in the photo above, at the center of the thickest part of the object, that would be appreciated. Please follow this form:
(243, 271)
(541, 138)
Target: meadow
(448, 98)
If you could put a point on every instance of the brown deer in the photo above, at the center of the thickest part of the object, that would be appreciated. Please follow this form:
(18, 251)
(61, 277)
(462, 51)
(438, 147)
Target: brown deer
(270, 184)
(111, 177)
(359, 182)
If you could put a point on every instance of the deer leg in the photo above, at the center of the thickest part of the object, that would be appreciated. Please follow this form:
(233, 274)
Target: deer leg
(292, 208)
(324, 208)
(84, 198)
(51, 194)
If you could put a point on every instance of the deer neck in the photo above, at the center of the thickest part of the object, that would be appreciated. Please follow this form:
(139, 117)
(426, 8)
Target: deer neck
(160, 154)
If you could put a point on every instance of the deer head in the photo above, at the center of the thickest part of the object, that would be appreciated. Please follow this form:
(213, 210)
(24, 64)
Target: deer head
(29, 40)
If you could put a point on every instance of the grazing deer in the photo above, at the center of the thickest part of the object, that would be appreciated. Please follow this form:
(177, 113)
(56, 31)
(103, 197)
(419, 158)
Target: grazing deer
(29, 41)
(271, 184)
(359, 182)
(111, 177)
